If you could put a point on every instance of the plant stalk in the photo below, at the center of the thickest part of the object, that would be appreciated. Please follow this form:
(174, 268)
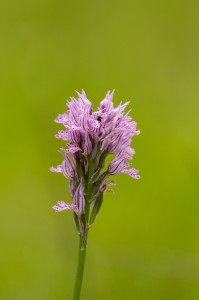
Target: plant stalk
(84, 230)
(80, 269)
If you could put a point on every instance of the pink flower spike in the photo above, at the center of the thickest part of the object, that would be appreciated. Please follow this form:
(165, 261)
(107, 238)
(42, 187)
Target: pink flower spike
(90, 137)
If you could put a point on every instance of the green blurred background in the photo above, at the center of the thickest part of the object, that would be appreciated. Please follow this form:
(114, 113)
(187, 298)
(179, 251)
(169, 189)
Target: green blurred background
(145, 242)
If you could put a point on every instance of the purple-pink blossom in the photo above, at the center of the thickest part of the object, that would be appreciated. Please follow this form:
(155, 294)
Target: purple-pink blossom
(89, 137)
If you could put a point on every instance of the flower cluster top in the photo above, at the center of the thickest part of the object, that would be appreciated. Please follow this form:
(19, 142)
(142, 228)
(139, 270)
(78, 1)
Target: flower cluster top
(90, 136)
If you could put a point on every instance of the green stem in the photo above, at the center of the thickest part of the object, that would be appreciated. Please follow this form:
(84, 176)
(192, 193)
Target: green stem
(83, 234)
(80, 270)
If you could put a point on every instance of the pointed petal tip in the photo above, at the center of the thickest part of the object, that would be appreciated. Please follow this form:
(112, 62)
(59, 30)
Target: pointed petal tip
(83, 93)
(52, 169)
(56, 208)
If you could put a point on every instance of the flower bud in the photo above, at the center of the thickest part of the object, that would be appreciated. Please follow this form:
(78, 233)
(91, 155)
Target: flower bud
(79, 200)
(116, 166)
(68, 167)
(106, 105)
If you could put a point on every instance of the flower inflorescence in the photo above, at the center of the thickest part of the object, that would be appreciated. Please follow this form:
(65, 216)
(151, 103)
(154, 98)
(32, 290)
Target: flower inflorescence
(91, 136)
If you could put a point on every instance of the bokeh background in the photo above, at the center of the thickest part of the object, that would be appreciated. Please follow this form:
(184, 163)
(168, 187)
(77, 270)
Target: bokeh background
(145, 242)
